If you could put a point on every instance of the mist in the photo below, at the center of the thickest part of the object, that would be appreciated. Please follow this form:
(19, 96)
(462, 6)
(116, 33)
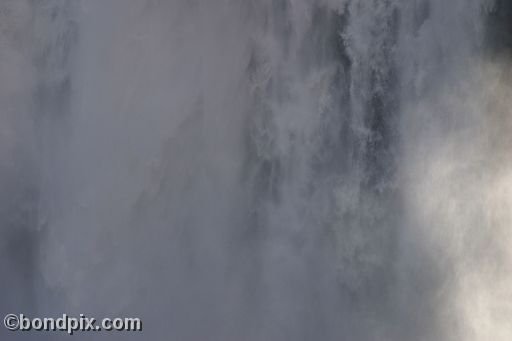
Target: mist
(258, 170)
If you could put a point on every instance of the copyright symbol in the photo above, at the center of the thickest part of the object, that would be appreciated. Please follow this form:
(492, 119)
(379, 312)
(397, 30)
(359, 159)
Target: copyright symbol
(12, 322)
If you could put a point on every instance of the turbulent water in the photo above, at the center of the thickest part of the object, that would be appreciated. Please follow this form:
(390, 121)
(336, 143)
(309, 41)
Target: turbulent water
(259, 170)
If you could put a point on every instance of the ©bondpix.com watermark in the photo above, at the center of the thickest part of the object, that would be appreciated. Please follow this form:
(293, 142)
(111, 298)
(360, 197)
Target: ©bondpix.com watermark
(69, 324)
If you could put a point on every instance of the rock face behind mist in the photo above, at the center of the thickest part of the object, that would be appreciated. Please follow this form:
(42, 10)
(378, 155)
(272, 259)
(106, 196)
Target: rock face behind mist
(499, 26)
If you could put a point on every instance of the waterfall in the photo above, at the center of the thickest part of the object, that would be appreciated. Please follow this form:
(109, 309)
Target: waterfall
(259, 170)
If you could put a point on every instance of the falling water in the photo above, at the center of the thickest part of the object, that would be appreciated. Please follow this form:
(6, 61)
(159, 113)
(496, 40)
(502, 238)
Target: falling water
(259, 170)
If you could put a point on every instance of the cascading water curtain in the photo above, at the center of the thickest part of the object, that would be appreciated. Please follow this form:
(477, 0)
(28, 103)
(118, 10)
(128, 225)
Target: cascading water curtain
(258, 170)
